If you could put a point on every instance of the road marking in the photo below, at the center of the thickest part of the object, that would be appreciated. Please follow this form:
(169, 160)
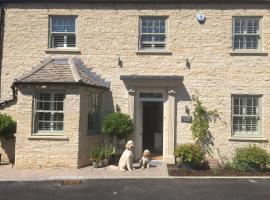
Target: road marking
(252, 181)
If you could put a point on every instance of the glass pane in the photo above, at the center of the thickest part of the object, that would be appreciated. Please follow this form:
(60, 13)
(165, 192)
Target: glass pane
(63, 24)
(251, 124)
(71, 41)
(58, 126)
(251, 42)
(238, 42)
(238, 106)
(58, 41)
(238, 123)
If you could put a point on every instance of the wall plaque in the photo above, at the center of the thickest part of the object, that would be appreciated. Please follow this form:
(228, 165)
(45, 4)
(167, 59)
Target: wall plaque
(186, 119)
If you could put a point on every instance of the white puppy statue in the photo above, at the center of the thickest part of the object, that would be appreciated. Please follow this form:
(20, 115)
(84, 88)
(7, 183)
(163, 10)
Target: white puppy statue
(126, 159)
(145, 160)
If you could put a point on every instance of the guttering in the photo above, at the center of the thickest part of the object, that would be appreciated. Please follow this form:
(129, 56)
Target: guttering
(134, 1)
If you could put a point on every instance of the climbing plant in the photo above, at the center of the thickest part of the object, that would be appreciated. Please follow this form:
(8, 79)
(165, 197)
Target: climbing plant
(200, 125)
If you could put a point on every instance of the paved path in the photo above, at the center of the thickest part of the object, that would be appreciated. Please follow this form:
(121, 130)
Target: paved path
(140, 189)
(9, 173)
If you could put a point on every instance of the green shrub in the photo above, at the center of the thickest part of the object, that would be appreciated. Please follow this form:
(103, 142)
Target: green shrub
(7, 126)
(96, 154)
(190, 154)
(117, 124)
(250, 158)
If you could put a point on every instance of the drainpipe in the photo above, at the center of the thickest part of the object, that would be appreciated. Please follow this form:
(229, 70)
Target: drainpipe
(2, 17)
(2, 26)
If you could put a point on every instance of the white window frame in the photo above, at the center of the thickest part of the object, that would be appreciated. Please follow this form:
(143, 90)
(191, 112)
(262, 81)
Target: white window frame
(244, 133)
(65, 34)
(161, 34)
(259, 34)
(96, 130)
(36, 131)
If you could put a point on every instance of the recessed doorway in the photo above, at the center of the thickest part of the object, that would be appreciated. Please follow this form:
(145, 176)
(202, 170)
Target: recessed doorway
(153, 128)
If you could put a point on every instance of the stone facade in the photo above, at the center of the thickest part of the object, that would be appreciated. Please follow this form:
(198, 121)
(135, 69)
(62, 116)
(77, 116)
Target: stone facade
(108, 32)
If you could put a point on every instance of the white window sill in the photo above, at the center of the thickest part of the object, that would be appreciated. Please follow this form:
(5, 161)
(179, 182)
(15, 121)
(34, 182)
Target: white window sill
(248, 53)
(251, 139)
(62, 50)
(47, 137)
(161, 52)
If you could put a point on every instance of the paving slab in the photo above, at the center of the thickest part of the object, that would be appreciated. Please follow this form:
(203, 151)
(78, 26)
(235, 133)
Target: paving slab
(10, 173)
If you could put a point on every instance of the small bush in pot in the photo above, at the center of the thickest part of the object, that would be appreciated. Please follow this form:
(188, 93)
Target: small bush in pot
(7, 126)
(95, 156)
(250, 158)
(117, 125)
(189, 155)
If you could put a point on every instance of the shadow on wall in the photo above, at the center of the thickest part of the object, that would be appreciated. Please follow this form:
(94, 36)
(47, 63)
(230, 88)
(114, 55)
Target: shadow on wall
(7, 149)
(87, 140)
(182, 94)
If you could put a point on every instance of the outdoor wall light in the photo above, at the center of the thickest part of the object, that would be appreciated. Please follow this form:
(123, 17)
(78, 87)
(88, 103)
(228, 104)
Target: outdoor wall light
(117, 108)
(120, 62)
(187, 111)
(201, 18)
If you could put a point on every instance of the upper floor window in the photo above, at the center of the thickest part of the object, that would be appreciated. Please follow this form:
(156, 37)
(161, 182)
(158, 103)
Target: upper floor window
(94, 113)
(62, 32)
(49, 112)
(246, 33)
(246, 116)
(152, 33)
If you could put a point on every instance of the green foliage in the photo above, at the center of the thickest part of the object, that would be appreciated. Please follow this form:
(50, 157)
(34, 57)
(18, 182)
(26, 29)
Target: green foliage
(190, 154)
(200, 125)
(117, 124)
(96, 154)
(250, 158)
(107, 150)
(104, 151)
(7, 126)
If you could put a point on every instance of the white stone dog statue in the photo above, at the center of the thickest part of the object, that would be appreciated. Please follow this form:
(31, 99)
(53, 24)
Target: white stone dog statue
(126, 159)
(145, 160)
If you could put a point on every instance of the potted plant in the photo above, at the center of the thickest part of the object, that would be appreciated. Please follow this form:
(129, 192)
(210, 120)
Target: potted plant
(95, 157)
(108, 151)
(118, 126)
(7, 126)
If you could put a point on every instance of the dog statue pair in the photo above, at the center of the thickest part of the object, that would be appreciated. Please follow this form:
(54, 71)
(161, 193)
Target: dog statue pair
(126, 159)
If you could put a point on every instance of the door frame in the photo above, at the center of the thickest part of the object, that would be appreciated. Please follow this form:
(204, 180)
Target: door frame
(138, 136)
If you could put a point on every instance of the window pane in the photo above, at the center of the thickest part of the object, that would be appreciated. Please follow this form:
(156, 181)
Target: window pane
(46, 117)
(71, 41)
(58, 41)
(246, 116)
(63, 24)
(153, 33)
(94, 115)
(251, 124)
(238, 106)
(238, 123)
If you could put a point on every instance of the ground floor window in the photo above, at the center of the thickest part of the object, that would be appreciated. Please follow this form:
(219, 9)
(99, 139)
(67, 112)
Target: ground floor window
(246, 116)
(94, 113)
(49, 112)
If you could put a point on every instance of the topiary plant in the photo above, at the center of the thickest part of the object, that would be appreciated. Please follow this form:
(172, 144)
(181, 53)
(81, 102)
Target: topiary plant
(117, 124)
(7, 126)
(250, 158)
(189, 154)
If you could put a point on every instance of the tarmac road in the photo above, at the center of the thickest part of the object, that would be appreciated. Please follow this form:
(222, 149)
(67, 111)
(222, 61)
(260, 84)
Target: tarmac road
(139, 189)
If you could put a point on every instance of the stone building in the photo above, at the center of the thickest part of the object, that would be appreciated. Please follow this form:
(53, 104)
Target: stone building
(70, 63)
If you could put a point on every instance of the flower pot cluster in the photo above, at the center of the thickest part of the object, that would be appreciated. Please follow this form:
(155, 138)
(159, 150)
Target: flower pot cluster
(100, 156)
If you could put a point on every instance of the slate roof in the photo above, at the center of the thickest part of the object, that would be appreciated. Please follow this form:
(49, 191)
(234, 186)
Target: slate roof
(62, 71)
